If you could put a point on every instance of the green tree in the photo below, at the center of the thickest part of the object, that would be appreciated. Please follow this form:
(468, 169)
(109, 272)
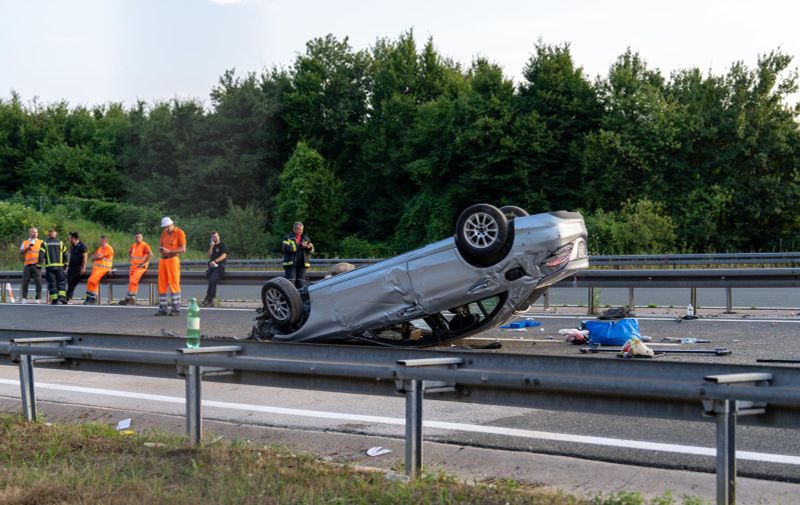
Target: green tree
(403, 79)
(557, 107)
(743, 146)
(465, 152)
(60, 169)
(632, 151)
(18, 138)
(241, 144)
(326, 104)
(311, 193)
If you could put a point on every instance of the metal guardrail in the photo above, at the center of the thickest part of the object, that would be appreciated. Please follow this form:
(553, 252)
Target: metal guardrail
(728, 394)
(726, 278)
(783, 258)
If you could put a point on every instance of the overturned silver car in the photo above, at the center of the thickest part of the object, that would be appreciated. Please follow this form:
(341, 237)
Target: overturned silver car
(500, 261)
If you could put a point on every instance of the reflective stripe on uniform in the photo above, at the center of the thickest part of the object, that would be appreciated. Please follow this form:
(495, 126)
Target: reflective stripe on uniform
(138, 253)
(103, 263)
(291, 243)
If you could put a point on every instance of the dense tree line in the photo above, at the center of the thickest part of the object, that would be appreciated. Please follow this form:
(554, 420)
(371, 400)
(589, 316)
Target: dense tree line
(379, 149)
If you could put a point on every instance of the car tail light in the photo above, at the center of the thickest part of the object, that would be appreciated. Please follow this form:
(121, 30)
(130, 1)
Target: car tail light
(582, 252)
(559, 257)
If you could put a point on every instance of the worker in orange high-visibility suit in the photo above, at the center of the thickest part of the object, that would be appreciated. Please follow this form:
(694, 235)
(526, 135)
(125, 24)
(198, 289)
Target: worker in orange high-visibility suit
(171, 245)
(140, 255)
(103, 258)
(30, 251)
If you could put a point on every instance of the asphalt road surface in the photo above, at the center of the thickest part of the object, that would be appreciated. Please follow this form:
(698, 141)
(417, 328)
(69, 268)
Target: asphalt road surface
(762, 453)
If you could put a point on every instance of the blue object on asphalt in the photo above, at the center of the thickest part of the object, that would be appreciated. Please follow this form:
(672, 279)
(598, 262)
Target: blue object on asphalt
(521, 324)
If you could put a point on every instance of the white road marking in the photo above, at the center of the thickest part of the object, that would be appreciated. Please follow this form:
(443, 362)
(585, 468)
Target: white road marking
(397, 421)
(662, 318)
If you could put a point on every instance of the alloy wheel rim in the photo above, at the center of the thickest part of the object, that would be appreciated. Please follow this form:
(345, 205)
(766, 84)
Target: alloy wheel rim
(481, 230)
(277, 304)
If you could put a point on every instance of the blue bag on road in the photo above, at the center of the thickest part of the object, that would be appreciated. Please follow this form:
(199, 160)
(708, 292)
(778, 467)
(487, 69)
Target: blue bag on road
(612, 332)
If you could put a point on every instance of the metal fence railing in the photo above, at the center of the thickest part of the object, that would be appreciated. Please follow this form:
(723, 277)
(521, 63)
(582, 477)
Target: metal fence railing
(692, 279)
(748, 259)
(728, 394)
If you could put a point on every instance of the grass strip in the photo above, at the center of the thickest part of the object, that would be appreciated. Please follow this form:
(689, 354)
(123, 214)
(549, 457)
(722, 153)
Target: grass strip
(93, 463)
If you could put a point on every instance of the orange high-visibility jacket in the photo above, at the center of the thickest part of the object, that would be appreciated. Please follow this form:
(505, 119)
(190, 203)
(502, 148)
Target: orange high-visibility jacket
(138, 253)
(106, 253)
(31, 251)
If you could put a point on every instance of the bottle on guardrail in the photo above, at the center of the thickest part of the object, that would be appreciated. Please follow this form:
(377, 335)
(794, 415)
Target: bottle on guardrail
(193, 324)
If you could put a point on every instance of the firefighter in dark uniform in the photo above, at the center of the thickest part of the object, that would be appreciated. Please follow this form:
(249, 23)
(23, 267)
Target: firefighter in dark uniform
(56, 258)
(297, 249)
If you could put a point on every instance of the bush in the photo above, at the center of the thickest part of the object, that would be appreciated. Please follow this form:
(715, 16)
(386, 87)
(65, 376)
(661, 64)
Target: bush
(16, 219)
(245, 232)
(355, 247)
(121, 216)
(242, 229)
(642, 227)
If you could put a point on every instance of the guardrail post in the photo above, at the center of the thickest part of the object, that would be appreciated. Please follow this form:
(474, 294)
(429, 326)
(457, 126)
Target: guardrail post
(152, 294)
(194, 378)
(725, 411)
(414, 389)
(546, 297)
(3, 294)
(693, 299)
(729, 301)
(726, 452)
(26, 360)
(27, 391)
(194, 417)
(591, 309)
(631, 300)
(99, 293)
(110, 293)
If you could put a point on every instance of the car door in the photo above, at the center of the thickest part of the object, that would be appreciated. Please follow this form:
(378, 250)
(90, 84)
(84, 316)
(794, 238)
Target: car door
(374, 299)
(442, 280)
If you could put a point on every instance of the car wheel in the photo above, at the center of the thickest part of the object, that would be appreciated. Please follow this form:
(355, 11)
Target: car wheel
(482, 232)
(512, 211)
(282, 302)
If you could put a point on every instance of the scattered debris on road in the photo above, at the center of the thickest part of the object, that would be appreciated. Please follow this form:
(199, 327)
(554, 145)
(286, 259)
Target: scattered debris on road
(529, 323)
(377, 451)
(686, 340)
(722, 351)
(635, 348)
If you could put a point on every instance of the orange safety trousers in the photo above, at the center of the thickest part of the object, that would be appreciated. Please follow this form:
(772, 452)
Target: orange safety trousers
(134, 277)
(94, 279)
(169, 275)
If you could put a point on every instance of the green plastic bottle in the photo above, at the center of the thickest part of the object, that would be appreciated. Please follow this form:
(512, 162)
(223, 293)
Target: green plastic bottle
(193, 324)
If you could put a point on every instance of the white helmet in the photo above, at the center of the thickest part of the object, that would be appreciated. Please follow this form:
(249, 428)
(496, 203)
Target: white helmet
(166, 222)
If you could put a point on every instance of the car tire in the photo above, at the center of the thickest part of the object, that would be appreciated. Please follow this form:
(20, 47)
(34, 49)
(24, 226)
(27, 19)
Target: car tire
(282, 302)
(512, 211)
(482, 234)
